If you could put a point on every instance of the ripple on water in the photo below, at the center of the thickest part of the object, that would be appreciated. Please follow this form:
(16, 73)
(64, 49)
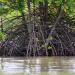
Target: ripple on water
(39, 66)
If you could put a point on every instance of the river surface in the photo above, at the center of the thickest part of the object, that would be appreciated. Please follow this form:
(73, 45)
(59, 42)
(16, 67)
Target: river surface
(38, 66)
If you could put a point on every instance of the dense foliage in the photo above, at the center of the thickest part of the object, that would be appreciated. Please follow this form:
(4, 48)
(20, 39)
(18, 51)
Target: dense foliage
(33, 25)
(9, 9)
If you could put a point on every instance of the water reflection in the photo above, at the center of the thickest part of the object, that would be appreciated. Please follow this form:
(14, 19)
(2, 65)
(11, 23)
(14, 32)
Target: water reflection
(38, 66)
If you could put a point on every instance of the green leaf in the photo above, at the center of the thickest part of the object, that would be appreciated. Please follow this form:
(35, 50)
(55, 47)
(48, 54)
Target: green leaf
(2, 36)
(49, 47)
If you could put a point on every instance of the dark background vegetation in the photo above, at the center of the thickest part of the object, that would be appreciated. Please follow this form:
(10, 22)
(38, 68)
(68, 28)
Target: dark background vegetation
(37, 27)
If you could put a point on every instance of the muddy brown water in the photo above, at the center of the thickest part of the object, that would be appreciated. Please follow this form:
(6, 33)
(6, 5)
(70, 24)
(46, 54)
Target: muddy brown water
(37, 66)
